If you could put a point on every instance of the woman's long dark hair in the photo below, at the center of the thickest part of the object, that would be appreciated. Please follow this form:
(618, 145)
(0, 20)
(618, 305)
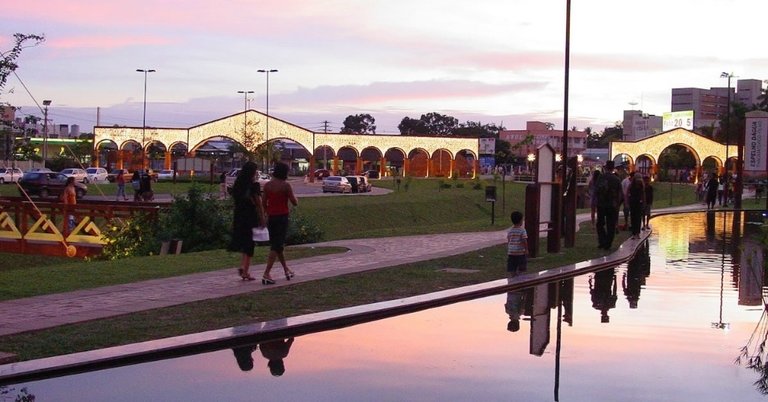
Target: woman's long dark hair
(244, 180)
(281, 171)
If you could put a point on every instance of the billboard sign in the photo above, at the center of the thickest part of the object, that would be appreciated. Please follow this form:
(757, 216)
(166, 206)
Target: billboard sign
(756, 144)
(487, 146)
(672, 120)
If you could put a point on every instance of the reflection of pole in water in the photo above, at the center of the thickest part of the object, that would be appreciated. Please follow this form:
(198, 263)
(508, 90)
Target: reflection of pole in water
(720, 324)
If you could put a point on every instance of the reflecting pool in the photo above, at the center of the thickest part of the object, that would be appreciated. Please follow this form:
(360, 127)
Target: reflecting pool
(670, 325)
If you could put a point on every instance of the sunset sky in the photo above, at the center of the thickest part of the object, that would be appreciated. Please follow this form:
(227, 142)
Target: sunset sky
(491, 61)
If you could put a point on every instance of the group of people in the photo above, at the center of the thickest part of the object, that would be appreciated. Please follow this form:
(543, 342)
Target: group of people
(257, 208)
(141, 183)
(608, 192)
(716, 188)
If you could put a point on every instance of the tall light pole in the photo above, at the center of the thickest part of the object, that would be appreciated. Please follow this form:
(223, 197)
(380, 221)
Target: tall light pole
(46, 103)
(245, 111)
(727, 136)
(269, 159)
(144, 118)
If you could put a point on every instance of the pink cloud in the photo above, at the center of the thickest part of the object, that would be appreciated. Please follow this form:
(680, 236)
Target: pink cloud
(106, 42)
(397, 92)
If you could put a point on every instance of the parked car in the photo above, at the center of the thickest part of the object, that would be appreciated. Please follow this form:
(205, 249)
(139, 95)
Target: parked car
(336, 184)
(40, 170)
(10, 175)
(364, 184)
(96, 174)
(45, 184)
(322, 173)
(165, 175)
(79, 174)
(113, 175)
(230, 177)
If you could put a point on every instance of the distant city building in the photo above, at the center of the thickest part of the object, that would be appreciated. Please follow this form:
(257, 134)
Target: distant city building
(638, 125)
(544, 133)
(709, 105)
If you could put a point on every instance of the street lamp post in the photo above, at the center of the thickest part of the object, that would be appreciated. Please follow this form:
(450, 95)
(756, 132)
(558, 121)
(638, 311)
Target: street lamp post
(46, 103)
(144, 117)
(245, 111)
(727, 137)
(267, 71)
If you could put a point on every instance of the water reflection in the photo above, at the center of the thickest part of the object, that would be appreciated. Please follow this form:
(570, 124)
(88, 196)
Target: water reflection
(660, 347)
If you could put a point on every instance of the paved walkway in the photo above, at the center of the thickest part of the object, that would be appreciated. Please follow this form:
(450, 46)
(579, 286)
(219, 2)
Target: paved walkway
(48, 311)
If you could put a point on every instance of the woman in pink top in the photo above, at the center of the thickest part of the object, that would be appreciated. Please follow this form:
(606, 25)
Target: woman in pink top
(277, 194)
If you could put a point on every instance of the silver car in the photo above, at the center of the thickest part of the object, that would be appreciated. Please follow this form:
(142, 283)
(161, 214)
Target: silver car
(336, 184)
(10, 175)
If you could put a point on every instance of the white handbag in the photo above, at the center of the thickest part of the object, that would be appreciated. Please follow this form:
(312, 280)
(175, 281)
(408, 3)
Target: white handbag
(260, 234)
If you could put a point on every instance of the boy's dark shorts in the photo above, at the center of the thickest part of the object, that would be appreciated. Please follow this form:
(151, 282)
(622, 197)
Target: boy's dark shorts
(517, 263)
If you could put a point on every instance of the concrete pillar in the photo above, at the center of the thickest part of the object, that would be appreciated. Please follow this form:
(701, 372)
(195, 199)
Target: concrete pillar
(382, 164)
(335, 166)
(167, 162)
(406, 167)
(452, 166)
(312, 169)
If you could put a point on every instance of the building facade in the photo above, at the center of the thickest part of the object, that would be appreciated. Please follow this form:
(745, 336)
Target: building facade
(638, 125)
(709, 105)
(544, 133)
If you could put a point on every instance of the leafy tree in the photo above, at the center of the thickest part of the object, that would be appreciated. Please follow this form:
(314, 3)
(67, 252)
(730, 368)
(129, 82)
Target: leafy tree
(409, 126)
(733, 126)
(431, 124)
(763, 104)
(359, 124)
(8, 60)
(477, 129)
(601, 140)
(439, 125)
(25, 151)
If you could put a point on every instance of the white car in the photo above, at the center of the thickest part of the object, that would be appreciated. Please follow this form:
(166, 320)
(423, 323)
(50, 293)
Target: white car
(96, 175)
(165, 175)
(10, 175)
(79, 174)
(336, 184)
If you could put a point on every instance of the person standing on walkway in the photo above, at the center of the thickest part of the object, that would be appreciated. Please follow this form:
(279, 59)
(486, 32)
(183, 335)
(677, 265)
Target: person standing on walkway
(593, 195)
(648, 203)
(69, 197)
(636, 198)
(136, 184)
(625, 197)
(248, 214)
(712, 190)
(277, 194)
(120, 180)
(517, 245)
(608, 201)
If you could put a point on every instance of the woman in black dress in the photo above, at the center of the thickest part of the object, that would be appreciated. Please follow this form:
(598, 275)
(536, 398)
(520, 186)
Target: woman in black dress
(248, 214)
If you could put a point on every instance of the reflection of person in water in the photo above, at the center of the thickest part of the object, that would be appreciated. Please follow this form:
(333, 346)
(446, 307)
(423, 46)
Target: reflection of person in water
(513, 307)
(244, 357)
(604, 292)
(275, 351)
(638, 268)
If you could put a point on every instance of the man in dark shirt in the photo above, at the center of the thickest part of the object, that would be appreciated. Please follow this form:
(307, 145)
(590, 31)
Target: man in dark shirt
(608, 200)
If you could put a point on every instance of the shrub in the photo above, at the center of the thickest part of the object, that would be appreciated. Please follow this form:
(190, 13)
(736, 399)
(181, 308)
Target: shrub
(200, 220)
(477, 184)
(302, 230)
(129, 238)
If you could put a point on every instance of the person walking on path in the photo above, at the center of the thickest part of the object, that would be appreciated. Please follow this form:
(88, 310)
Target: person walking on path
(593, 195)
(277, 194)
(712, 190)
(608, 201)
(517, 245)
(648, 202)
(120, 180)
(636, 197)
(248, 214)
